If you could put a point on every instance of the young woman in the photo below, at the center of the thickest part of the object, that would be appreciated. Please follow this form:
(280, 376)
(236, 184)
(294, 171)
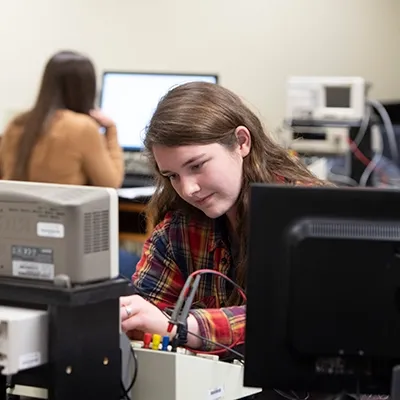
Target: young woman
(59, 140)
(206, 147)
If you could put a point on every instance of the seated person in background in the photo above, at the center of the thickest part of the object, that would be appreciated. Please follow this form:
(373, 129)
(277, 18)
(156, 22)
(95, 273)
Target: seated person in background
(206, 147)
(59, 140)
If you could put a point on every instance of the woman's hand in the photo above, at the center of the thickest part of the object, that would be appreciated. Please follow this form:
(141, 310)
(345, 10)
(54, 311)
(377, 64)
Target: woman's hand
(138, 314)
(101, 118)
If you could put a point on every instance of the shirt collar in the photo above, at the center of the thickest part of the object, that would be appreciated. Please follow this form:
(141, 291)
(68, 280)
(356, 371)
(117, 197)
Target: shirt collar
(219, 235)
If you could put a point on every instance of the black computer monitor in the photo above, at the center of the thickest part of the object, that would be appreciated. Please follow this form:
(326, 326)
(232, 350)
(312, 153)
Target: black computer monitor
(130, 98)
(323, 289)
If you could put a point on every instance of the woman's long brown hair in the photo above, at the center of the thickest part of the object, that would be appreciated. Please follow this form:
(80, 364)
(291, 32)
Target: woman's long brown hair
(68, 82)
(203, 113)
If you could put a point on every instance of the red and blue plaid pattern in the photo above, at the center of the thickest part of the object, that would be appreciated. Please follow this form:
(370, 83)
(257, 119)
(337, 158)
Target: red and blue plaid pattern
(179, 246)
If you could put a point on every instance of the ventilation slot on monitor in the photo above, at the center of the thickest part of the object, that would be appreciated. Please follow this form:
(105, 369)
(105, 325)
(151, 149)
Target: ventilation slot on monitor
(97, 231)
(354, 230)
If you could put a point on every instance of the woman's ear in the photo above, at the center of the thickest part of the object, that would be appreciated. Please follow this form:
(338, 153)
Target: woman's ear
(244, 140)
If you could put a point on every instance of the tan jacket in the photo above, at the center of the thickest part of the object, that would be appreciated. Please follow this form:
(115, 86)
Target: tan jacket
(72, 151)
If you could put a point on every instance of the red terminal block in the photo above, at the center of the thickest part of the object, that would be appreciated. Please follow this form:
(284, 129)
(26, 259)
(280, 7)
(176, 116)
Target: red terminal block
(146, 340)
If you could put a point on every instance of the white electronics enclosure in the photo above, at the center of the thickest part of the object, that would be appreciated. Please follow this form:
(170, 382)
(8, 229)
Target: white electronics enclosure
(341, 99)
(316, 140)
(23, 339)
(58, 232)
(175, 376)
(324, 141)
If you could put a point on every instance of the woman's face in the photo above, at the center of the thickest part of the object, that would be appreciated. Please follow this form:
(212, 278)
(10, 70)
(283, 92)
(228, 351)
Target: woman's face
(208, 177)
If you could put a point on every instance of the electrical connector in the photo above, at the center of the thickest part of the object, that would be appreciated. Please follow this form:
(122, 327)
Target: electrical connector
(23, 339)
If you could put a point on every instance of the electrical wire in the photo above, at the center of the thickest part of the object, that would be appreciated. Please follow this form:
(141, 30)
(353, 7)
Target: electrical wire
(364, 126)
(373, 164)
(216, 344)
(223, 347)
(150, 299)
(288, 397)
(227, 348)
(135, 373)
(370, 165)
(213, 272)
(176, 317)
(387, 122)
(183, 306)
(125, 391)
(341, 179)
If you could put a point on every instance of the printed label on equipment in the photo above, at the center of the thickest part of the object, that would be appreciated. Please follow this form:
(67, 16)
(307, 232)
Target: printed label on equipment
(216, 394)
(50, 229)
(32, 262)
(33, 270)
(29, 360)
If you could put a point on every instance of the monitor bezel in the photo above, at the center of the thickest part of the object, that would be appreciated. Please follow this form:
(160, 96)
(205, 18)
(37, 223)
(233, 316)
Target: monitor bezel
(275, 210)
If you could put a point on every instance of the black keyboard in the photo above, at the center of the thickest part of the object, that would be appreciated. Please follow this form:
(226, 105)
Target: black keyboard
(137, 181)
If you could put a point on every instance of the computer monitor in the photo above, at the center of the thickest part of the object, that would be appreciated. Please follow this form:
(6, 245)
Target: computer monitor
(323, 289)
(130, 98)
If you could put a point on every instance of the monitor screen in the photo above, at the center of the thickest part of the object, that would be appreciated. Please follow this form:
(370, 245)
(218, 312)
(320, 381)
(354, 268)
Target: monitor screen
(338, 96)
(130, 99)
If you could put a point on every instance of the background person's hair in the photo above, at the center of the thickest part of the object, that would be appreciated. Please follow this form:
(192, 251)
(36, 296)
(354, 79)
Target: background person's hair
(200, 113)
(68, 82)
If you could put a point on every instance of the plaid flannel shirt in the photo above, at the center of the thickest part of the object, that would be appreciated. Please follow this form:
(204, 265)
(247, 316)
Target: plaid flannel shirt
(179, 246)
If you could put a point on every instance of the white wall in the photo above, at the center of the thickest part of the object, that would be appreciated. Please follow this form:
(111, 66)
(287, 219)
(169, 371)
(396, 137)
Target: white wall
(252, 44)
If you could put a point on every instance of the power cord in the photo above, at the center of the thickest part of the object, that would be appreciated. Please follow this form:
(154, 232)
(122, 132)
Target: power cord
(372, 165)
(125, 391)
(391, 136)
(125, 395)
(387, 122)
(294, 397)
